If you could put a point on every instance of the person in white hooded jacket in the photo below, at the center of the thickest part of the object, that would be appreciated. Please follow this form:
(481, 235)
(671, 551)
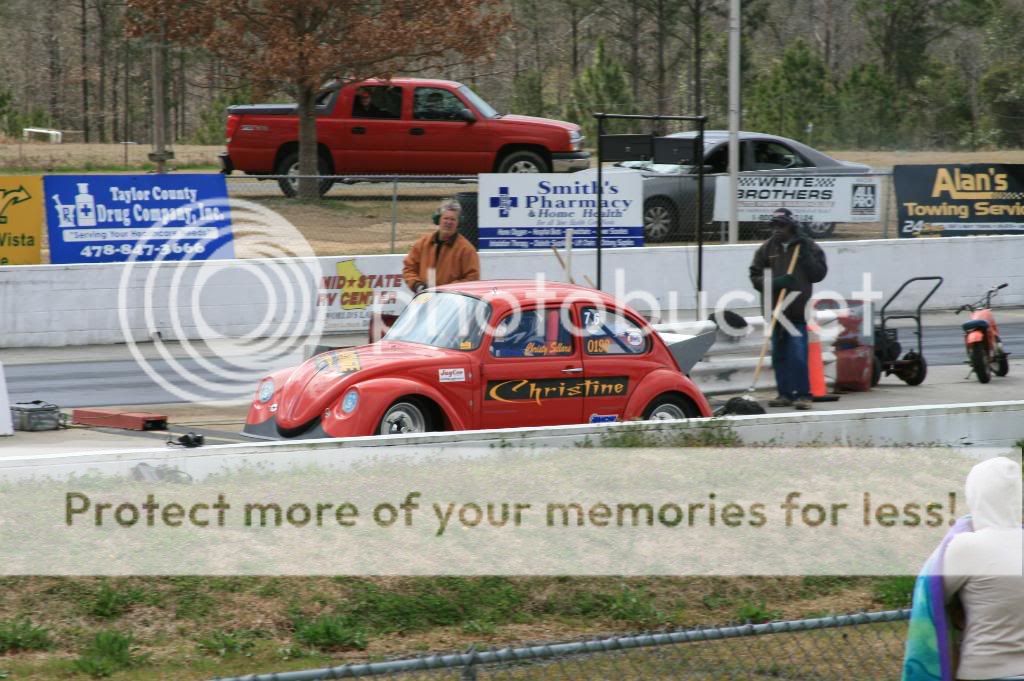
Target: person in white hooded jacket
(985, 570)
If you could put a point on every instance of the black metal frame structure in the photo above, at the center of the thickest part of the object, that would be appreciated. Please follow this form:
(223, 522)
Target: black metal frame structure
(654, 147)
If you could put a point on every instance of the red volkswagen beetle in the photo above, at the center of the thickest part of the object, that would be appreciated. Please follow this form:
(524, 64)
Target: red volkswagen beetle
(487, 354)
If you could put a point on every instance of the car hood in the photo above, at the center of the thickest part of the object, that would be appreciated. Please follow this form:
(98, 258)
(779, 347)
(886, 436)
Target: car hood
(534, 120)
(320, 381)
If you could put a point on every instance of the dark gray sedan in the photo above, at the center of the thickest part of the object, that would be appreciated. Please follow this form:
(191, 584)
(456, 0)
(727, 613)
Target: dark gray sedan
(670, 191)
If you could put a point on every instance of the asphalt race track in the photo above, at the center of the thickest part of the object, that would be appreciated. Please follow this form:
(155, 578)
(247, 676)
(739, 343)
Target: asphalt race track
(123, 382)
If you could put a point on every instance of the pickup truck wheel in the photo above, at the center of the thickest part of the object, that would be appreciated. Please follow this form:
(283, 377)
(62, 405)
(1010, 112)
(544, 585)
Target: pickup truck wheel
(289, 165)
(523, 162)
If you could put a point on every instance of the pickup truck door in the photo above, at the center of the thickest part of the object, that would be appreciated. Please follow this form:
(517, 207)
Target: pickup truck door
(371, 129)
(532, 374)
(438, 140)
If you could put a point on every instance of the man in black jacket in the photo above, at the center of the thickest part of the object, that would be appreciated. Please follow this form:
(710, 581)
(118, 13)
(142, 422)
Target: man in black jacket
(768, 274)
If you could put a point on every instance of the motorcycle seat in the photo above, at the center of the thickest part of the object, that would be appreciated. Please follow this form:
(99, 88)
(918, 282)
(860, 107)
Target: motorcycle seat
(975, 325)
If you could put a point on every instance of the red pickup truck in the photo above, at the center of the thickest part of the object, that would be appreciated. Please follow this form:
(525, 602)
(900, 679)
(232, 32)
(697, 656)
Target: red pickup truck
(404, 126)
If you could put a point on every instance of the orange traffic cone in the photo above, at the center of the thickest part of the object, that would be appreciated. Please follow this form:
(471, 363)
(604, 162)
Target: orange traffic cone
(815, 365)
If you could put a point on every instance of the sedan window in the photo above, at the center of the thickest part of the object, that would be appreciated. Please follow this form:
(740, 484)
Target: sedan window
(767, 155)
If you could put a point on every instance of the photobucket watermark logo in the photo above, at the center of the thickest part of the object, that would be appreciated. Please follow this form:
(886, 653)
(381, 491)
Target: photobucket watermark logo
(190, 295)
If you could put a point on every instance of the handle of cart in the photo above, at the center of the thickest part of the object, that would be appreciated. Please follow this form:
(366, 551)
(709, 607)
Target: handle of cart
(916, 316)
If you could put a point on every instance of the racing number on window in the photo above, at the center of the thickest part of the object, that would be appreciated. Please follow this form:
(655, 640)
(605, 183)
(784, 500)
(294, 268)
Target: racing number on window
(609, 333)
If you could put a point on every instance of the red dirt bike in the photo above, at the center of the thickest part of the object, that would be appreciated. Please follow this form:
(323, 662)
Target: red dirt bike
(985, 351)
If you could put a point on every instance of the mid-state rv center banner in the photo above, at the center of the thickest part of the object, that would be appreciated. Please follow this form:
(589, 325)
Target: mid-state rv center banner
(958, 200)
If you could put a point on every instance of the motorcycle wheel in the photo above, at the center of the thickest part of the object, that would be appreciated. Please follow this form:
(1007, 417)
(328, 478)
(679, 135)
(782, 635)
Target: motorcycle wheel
(979, 361)
(1002, 364)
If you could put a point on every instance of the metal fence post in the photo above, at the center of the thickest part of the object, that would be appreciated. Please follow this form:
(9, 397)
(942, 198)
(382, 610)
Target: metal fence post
(886, 204)
(394, 212)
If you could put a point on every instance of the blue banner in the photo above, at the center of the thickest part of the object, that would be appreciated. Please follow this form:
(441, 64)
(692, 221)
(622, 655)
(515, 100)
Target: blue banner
(115, 218)
(524, 238)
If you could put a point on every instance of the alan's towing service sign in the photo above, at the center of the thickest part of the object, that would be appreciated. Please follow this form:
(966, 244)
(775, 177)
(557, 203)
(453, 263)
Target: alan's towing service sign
(959, 200)
(524, 211)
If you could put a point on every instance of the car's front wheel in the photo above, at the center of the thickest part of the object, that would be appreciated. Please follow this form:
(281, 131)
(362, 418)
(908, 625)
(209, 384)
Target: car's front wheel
(405, 417)
(523, 162)
(660, 220)
(670, 408)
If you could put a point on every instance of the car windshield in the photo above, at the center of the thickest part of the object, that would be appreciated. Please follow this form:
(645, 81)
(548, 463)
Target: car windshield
(651, 167)
(443, 320)
(485, 109)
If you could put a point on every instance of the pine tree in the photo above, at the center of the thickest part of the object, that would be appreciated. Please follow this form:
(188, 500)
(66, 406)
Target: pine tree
(794, 96)
(602, 87)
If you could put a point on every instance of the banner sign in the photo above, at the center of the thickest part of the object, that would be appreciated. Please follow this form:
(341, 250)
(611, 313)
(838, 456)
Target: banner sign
(21, 219)
(959, 200)
(812, 198)
(114, 218)
(530, 211)
(351, 289)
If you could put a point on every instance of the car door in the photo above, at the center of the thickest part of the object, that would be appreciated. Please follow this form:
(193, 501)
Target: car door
(532, 373)
(373, 129)
(438, 140)
(616, 357)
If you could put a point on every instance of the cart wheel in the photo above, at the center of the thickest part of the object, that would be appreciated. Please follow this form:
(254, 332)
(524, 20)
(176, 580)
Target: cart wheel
(915, 373)
(980, 362)
(876, 370)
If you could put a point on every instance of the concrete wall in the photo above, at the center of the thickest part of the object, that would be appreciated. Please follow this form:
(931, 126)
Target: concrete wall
(53, 305)
(991, 427)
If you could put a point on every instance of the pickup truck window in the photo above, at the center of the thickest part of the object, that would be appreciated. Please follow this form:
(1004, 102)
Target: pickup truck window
(434, 104)
(377, 101)
(482, 107)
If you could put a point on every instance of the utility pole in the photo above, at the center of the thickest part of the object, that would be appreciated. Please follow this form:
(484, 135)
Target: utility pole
(734, 118)
(160, 155)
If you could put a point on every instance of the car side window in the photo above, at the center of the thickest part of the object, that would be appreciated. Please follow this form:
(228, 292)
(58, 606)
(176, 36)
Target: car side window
(718, 159)
(610, 333)
(774, 156)
(532, 333)
(377, 101)
(435, 104)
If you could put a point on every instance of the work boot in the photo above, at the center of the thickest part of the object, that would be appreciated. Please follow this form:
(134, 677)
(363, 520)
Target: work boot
(780, 401)
(802, 404)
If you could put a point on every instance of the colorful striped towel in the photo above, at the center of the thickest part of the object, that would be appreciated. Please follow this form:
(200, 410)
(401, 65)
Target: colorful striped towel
(929, 651)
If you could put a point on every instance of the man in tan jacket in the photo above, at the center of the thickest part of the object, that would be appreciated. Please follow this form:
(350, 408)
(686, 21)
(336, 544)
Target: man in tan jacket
(443, 256)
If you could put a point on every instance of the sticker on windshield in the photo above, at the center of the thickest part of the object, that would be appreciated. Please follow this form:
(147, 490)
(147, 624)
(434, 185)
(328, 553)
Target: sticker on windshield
(466, 345)
(451, 375)
(635, 338)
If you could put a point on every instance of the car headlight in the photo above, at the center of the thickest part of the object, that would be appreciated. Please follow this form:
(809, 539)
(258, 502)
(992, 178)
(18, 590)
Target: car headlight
(575, 139)
(266, 391)
(350, 401)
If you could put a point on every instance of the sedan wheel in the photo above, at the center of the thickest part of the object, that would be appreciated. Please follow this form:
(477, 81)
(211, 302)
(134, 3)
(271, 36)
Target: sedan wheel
(820, 230)
(659, 220)
(669, 408)
(403, 418)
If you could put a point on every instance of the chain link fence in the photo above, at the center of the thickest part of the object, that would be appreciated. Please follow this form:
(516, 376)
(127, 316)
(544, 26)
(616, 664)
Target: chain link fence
(865, 646)
(361, 215)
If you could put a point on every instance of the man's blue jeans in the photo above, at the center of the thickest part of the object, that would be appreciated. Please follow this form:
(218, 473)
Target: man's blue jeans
(789, 359)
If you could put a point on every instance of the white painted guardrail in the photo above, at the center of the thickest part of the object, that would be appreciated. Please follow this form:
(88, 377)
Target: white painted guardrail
(982, 424)
(6, 423)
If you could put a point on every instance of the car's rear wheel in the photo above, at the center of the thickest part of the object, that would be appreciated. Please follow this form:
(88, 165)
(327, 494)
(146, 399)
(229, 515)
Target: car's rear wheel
(670, 408)
(523, 162)
(289, 166)
(405, 417)
(660, 220)
(820, 230)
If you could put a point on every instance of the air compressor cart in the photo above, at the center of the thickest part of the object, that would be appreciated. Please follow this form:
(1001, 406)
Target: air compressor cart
(911, 368)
